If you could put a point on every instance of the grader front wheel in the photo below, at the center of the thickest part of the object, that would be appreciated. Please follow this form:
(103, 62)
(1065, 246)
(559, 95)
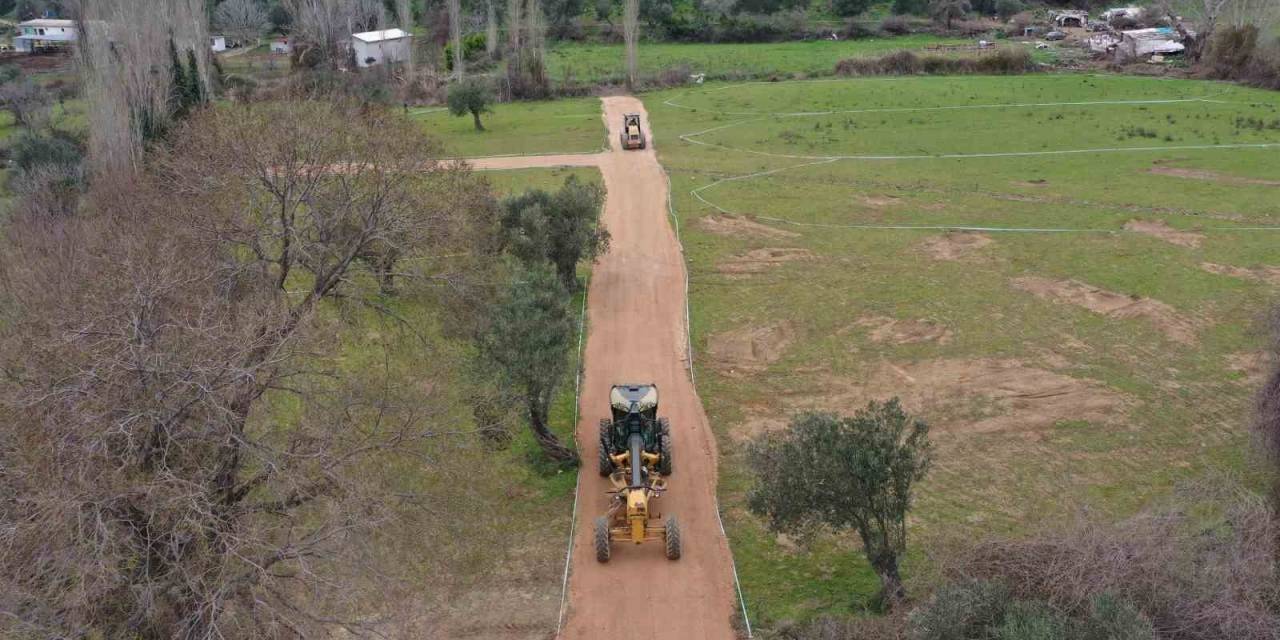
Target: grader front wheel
(603, 550)
(672, 536)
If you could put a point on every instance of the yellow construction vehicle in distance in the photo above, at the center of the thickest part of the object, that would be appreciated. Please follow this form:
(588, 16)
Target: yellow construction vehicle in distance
(632, 135)
(635, 453)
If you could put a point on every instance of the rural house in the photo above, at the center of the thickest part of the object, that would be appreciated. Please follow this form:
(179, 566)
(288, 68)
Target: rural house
(377, 47)
(44, 33)
(1140, 43)
(1076, 19)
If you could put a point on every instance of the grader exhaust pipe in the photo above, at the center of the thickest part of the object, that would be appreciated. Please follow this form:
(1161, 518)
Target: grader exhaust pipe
(637, 446)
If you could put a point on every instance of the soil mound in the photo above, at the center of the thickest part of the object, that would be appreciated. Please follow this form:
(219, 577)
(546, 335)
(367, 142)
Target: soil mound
(1161, 229)
(749, 349)
(1266, 273)
(1112, 304)
(761, 260)
(730, 225)
(954, 246)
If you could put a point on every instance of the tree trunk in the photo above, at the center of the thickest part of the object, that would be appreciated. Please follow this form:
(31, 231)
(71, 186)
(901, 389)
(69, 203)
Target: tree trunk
(476, 116)
(892, 593)
(546, 439)
(630, 34)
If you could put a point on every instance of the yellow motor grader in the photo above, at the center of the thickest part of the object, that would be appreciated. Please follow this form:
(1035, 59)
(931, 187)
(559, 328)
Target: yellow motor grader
(635, 453)
(632, 135)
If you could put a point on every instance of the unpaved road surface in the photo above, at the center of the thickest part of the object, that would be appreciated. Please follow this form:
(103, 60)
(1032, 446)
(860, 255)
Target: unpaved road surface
(635, 319)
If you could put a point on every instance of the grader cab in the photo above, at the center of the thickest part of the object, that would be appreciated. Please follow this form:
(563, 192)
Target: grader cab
(635, 453)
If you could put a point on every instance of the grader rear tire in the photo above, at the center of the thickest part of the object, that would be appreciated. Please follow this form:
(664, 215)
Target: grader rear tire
(672, 538)
(603, 549)
(606, 463)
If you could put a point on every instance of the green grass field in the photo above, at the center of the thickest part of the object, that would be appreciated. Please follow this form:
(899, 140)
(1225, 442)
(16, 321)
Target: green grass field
(1039, 404)
(565, 126)
(606, 63)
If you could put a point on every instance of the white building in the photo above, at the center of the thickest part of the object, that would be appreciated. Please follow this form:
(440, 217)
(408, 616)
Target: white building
(281, 45)
(377, 47)
(219, 43)
(1121, 12)
(44, 33)
(1140, 43)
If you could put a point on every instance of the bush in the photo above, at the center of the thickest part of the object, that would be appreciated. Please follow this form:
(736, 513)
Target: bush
(473, 45)
(895, 25)
(1230, 51)
(1033, 621)
(32, 151)
(960, 611)
(1008, 8)
(1005, 61)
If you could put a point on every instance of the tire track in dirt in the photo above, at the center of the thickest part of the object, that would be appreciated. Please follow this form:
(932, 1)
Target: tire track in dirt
(636, 333)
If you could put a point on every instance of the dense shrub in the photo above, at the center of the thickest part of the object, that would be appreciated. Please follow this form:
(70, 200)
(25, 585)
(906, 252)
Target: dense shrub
(895, 25)
(31, 151)
(472, 48)
(1008, 8)
(1001, 62)
(960, 611)
(1200, 568)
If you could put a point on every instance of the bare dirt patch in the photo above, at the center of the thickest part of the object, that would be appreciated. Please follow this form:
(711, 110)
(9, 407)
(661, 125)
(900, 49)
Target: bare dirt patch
(954, 246)
(1111, 304)
(730, 225)
(1161, 229)
(761, 260)
(1212, 176)
(971, 396)
(1253, 365)
(1266, 273)
(878, 201)
(749, 349)
(895, 331)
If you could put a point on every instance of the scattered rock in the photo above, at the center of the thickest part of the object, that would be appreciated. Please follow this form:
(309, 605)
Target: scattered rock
(954, 246)
(980, 395)
(1213, 176)
(730, 225)
(1111, 304)
(1161, 229)
(1264, 273)
(749, 349)
(894, 331)
(761, 260)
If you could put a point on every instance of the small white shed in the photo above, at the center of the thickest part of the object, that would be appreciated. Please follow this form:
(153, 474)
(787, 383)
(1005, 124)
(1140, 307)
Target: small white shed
(219, 43)
(281, 45)
(377, 47)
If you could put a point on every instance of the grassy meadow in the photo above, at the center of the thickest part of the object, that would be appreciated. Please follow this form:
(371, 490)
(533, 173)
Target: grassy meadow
(607, 63)
(514, 128)
(1087, 365)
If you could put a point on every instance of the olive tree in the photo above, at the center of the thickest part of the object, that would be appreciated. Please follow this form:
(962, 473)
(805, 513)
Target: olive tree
(843, 473)
(946, 11)
(561, 228)
(472, 96)
(528, 340)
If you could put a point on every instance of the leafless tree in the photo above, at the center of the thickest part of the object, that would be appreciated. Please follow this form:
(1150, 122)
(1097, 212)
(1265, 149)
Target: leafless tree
(125, 60)
(631, 33)
(28, 102)
(455, 36)
(244, 20)
(323, 28)
(491, 29)
(1207, 15)
(180, 454)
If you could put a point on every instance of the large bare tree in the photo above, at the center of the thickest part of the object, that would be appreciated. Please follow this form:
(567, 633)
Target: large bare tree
(125, 66)
(244, 20)
(181, 455)
(631, 34)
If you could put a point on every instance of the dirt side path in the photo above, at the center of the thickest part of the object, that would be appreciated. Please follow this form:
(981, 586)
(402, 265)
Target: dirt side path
(635, 315)
(635, 319)
(533, 162)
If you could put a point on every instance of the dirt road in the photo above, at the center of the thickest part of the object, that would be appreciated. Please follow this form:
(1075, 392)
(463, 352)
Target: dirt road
(635, 317)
